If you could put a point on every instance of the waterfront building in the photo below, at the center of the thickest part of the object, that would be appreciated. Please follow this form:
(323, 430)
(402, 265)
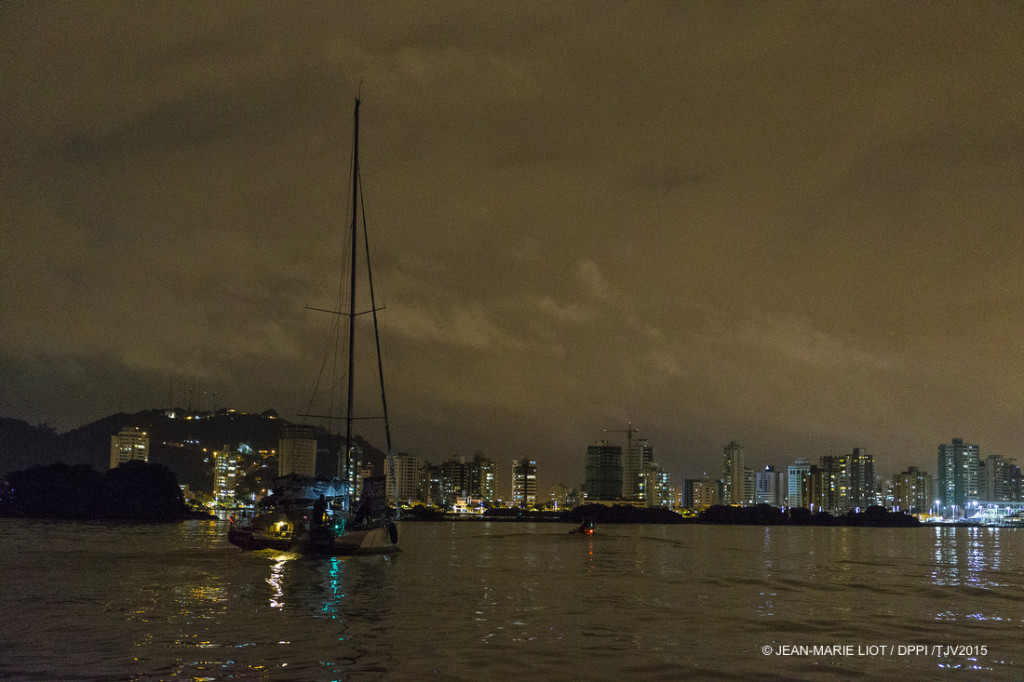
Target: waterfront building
(405, 483)
(431, 488)
(700, 493)
(770, 487)
(225, 476)
(732, 474)
(861, 488)
(524, 483)
(358, 467)
(999, 480)
(128, 444)
(749, 486)
(957, 476)
(886, 493)
(603, 472)
(799, 482)
(563, 497)
(657, 487)
(638, 455)
(297, 451)
(845, 482)
(455, 478)
(454, 481)
(468, 505)
(831, 484)
(818, 489)
(913, 492)
(483, 478)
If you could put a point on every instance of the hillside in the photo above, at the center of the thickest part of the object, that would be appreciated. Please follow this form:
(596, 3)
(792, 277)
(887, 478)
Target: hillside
(181, 445)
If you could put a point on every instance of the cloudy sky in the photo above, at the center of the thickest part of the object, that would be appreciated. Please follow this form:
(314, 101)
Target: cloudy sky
(797, 225)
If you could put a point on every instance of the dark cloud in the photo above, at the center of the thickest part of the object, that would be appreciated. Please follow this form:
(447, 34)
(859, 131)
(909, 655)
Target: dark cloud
(793, 225)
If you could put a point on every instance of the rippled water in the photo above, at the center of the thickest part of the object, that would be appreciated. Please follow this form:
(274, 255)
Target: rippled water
(509, 601)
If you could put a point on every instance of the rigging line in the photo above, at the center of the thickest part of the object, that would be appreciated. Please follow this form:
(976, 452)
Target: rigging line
(376, 337)
(333, 336)
(338, 312)
(326, 261)
(324, 360)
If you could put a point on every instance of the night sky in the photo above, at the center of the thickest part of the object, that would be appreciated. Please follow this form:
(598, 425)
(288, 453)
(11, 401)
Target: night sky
(796, 225)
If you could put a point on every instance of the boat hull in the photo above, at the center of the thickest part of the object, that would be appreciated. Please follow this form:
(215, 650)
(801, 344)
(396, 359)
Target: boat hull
(381, 540)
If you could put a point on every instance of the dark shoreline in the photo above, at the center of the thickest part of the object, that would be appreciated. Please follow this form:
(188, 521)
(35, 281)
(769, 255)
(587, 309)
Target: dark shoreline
(757, 515)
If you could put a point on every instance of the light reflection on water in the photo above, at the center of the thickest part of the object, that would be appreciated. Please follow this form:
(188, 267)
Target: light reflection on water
(506, 601)
(276, 599)
(968, 556)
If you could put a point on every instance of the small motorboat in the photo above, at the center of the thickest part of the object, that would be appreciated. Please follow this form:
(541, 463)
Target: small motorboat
(586, 527)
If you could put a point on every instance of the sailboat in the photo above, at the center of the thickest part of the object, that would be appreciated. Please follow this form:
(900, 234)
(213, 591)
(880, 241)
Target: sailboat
(316, 516)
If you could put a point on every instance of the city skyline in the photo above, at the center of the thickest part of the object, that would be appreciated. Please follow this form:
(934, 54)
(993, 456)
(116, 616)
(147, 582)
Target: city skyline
(795, 226)
(610, 472)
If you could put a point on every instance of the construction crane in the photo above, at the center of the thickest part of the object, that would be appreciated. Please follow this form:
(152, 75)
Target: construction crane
(629, 434)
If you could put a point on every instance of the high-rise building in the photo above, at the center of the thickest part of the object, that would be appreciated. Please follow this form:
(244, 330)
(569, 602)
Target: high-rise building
(225, 475)
(700, 493)
(799, 483)
(483, 478)
(913, 491)
(454, 480)
(832, 487)
(431, 485)
(129, 443)
(358, 467)
(638, 454)
(860, 488)
(732, 473)
(524, 483)
(603, 472)
(886, 493)
(770, 487)
(406, 483)
(657, 488)
(296, 451)
(999, 480)
(845, 482)
(820, 496)
(749, 486)
(445, 483)
(957, 476)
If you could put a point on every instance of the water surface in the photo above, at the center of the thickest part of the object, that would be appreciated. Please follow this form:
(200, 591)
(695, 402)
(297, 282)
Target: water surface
(504, 601)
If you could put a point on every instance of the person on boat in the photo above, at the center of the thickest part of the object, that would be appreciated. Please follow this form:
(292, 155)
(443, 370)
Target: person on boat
(364, 508)
(319, 512)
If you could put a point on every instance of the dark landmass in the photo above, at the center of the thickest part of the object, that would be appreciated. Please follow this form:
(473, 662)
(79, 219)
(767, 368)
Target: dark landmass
(620, 513)
(592, 512)
(757, 515)
(137, 491)
(181, 445)
(766, 515)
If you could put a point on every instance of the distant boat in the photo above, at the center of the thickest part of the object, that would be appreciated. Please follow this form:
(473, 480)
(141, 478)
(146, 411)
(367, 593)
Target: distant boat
(315, 516)
(586, 527)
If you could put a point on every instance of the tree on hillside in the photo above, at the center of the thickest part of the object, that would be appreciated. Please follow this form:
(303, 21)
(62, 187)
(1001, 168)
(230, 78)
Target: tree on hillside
(143, 491)
(135, 490)
(53, 491)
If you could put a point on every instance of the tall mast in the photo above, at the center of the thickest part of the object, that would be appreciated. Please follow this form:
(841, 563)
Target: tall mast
(352, 292)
